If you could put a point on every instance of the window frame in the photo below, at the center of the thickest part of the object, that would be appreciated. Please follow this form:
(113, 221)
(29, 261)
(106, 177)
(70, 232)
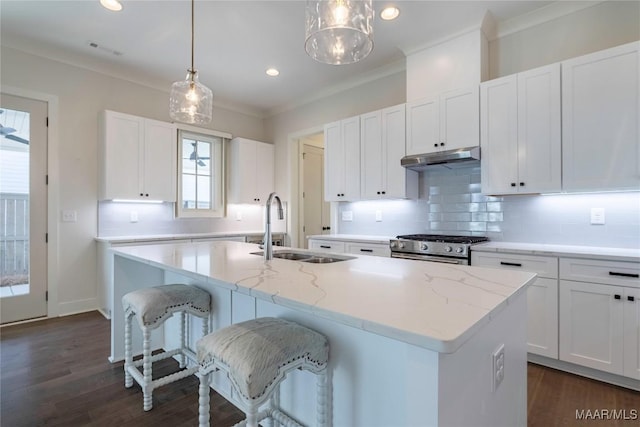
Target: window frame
(218, 141)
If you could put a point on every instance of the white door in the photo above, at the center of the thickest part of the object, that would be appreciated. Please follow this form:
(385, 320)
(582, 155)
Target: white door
(315, 209)
(23, 209)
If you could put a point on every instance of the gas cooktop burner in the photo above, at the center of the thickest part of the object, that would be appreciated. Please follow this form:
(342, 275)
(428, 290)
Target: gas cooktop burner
(444, 238)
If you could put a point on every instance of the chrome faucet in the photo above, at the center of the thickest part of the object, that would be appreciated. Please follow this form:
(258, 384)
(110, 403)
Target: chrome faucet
(268, 246)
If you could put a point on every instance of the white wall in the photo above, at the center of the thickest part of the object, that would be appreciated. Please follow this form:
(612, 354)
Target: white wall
(604, 25)
(81, 95)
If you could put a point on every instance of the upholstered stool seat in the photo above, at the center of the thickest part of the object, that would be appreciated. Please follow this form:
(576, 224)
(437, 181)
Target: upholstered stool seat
(151, 307)
(257, 355)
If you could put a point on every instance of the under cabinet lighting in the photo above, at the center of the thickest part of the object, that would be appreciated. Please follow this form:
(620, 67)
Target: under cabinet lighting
(135, 201)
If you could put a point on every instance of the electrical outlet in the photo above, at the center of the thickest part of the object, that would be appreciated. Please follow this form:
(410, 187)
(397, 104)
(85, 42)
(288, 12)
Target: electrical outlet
(497, 369)
(378, 215)
(347, 216)
(239, 216)
(133, 216)
(597, 216)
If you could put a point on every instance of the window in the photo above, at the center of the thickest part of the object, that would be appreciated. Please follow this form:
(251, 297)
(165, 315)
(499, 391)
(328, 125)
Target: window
(200, 175)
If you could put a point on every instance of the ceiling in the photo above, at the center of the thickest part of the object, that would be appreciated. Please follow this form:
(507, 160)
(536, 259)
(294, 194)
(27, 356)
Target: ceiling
(235, 42)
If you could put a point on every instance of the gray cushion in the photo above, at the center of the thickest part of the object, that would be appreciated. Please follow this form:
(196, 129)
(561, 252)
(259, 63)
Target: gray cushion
(153, 305)
(256, 350)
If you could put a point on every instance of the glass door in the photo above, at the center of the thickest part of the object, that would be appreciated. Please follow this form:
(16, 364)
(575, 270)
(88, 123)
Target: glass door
(23, 209)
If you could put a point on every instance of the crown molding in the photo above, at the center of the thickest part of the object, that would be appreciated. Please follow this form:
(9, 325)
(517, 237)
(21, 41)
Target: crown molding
(547, 13)
(380, 72)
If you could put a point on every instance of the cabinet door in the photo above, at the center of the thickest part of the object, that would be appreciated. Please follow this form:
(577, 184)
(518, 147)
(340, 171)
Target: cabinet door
(600, 128)
(591, 324)
(632, 333)
(265, 171)
(121, 158)
(399, 182)
(373, 163)
(542, 317)
(423, 126)
(351, 171)
(539, 150)
(459, 119)
(499, 145)
(334, 162)
(159, 167)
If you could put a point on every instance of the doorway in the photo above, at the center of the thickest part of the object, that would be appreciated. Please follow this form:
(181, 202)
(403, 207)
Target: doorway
(315, 218)
(23, 208)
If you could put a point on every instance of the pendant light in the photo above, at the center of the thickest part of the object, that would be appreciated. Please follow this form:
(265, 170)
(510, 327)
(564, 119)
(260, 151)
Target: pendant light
(339, 31)
(191, 101)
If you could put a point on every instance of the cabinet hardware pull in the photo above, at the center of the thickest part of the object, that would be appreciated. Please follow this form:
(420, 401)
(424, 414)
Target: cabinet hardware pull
(325, 247)
(615, 273)
(435, 145)
(616, 296)
(378, 192)
(141, 194)
(512, 264)
(366, 250)
(442, 144)
(522, 184)
(146, 195)
(513, 184)
(384, 192)
(631, 298)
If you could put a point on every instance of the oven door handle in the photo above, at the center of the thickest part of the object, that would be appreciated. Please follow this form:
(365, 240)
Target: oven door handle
(428, 258)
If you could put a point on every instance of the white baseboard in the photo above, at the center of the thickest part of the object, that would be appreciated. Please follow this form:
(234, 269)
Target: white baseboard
(76, 307)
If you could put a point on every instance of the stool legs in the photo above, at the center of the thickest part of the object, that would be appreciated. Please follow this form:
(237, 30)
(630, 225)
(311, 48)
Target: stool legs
(183, 334)
(147, 389)
(322, 396)
(203, 401)
(128, 358)
(252, 416)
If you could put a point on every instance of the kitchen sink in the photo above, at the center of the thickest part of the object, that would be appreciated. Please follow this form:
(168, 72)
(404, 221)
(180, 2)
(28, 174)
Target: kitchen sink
(307, 257)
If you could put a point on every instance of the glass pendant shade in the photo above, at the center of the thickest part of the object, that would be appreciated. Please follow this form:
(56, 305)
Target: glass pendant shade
(191, 101)
(339, 31)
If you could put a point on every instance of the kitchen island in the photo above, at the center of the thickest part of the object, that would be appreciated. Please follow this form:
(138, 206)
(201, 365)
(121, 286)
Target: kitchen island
(412, 343)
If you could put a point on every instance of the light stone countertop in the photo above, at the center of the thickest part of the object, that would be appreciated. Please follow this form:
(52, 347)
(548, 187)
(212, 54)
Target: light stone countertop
(431, 305)
(359, 238)
(150, 238)
(588, 252)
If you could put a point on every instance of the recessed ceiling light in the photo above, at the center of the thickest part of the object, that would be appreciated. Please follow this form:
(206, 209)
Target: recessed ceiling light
(113, 5)
(272, 72)
(389, 13)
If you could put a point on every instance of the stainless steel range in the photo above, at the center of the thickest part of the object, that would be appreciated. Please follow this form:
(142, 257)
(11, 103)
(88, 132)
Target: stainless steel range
(434, 247)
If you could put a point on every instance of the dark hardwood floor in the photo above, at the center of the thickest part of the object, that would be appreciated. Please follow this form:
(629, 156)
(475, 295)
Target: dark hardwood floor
(55, 373)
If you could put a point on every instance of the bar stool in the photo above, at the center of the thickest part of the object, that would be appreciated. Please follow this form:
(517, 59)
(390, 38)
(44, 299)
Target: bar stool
(151, 307)
(257, 355)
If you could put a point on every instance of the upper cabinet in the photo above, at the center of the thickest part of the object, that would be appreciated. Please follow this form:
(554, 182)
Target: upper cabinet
(342, 161)
(600, 128)
(444, 122)
(137, 158)
(520, 136)
(382, 136)
(251, 171)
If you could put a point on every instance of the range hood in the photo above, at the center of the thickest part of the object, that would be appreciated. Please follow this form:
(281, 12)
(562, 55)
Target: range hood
(450, 158)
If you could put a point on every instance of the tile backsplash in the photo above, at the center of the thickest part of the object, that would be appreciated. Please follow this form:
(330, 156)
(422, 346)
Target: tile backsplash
(450, 202)
(115, 219)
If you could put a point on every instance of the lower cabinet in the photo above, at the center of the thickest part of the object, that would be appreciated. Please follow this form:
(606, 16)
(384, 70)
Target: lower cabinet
(542, 297)
(357, 248)
(600, 315)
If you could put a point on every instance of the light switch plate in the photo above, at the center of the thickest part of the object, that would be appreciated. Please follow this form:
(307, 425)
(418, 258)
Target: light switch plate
(378, 215)
(597, 216)
(347, 216)
(133, 216)
(69, 216)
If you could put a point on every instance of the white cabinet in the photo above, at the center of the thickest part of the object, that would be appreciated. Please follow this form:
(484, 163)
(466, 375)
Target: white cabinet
(326, 246)
(375, 249)
(382, 136)
(342, 160)
(137, 158)
(542, 296)
(444, 122)
(251, 171)
(600, 120)
(599, 315)
(520, 132)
